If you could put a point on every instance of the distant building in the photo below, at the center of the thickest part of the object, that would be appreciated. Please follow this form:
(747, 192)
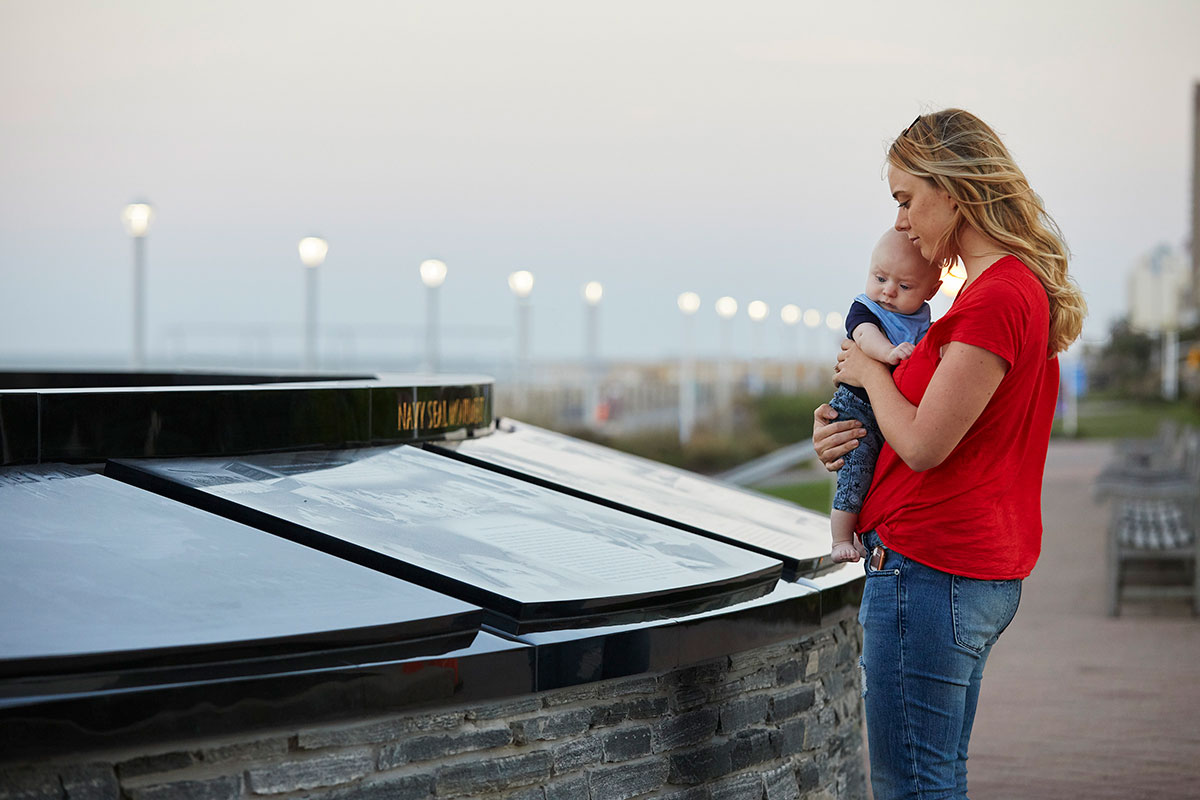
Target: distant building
(1195, 238)
(1159, 288)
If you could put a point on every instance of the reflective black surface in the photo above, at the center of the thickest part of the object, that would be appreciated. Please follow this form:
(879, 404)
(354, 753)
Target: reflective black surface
(99, 575)
(795, 535)
(570, 657)
(89, 424)
(56, 714)
(18, 428)
(128, 617)
(535, 558)
(841, 589)
(80, 379)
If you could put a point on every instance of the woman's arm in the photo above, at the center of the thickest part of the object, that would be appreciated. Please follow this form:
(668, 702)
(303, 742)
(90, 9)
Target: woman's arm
(833, 439)
(923, 436)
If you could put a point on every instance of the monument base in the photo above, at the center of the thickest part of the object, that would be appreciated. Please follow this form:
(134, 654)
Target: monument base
(780, 721)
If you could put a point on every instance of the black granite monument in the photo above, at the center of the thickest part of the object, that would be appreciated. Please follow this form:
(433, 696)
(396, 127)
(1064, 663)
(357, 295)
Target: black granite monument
(190, 554)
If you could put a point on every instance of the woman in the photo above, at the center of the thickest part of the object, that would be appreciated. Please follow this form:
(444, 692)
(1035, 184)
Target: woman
(953, 518)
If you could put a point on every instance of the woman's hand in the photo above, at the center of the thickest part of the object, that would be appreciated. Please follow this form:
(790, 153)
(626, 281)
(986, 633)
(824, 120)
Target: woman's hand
(854, 366)
(833, 439)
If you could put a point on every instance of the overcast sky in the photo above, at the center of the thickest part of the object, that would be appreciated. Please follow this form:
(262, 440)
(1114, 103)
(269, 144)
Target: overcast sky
(719, 147)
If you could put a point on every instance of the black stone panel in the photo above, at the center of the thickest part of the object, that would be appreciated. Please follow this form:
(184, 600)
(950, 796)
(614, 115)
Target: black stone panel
(791, 611)
(99, 575)
(90, 424)
(56, 714)
(535, 558)
(86, 426)
(576, 656)
(798, 537)
(18, 428)
(841, 590)
(82, 379)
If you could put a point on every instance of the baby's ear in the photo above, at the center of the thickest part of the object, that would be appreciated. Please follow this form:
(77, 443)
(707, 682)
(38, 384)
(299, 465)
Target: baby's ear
(933, 291)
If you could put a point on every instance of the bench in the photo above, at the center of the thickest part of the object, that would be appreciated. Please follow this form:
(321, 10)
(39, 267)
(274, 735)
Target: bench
(1154, 490)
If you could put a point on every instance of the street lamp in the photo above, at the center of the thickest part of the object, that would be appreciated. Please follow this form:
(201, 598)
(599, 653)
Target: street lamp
(433, 275)
(689, 304)
(726, 309)
(790, 315)
(313, 250)
(758, 311)
(137, 217)
(521, 284)
(593, 292)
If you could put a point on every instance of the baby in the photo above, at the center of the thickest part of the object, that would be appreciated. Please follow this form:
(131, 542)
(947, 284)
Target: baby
(887, 321)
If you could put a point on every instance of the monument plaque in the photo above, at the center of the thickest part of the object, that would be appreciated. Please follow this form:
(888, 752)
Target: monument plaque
(796, 536)
(65, 418)
(100, 575)
(534, 558)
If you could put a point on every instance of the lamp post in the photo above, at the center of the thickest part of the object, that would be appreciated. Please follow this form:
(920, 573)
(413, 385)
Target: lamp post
(593, 292)
(433, 275)
(137, 217)
(758, 311)
(790, 315)
(521, 284)
(313, 250)
(726, 309)
(689, 304)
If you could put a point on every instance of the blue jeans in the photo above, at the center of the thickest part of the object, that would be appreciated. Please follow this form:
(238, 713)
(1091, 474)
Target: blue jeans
(926, 638)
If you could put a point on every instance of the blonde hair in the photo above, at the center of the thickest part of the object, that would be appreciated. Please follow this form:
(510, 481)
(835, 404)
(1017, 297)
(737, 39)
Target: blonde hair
(959, 153)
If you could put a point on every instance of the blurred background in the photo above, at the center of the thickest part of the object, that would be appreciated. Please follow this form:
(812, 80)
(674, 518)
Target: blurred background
(644, 219)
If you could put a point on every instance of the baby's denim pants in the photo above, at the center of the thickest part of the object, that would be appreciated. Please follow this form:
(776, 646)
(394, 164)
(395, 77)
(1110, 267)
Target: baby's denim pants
(858, 467)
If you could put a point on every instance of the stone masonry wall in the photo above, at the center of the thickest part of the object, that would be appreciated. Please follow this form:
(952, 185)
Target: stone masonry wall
(777, 723)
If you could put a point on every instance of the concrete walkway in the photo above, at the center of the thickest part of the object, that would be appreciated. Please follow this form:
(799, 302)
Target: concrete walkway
(1076, 704)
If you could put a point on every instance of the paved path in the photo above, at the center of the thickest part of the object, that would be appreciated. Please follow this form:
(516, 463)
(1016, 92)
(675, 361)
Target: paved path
(1076, 704)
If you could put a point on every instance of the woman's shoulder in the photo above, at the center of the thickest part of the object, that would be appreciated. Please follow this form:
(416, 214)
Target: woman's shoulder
(1006, 297)
(1012, 271)
(1010, 282)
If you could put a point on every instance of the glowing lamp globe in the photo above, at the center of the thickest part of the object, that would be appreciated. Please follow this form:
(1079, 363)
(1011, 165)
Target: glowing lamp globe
(313, 250)
(433, 273)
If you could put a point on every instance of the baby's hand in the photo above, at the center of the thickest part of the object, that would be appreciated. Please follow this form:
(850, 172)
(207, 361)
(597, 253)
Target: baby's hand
(900, 352)
(844, 551)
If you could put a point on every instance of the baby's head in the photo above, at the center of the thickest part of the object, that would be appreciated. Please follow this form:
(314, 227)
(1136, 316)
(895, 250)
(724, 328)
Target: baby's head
(899, 279)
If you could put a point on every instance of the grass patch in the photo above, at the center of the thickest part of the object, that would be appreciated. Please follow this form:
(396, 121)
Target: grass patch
(1112, 418)
(817, 495)
(708, 452)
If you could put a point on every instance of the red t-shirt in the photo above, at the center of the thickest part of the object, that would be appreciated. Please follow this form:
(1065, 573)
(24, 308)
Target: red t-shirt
(978, 513)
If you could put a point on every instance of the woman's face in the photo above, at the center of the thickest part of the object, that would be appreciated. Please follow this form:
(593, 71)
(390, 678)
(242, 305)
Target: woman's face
(926, 211)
